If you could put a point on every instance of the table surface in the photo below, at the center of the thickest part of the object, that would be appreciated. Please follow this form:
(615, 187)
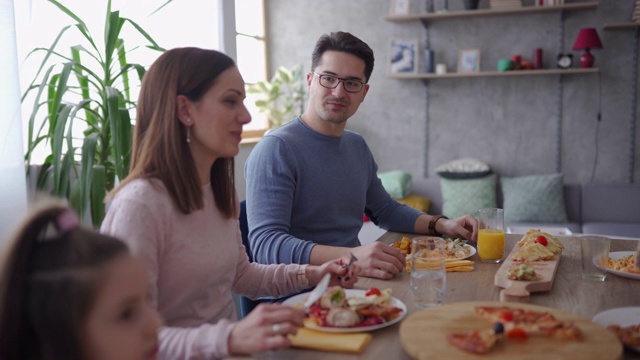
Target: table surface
(570, 293)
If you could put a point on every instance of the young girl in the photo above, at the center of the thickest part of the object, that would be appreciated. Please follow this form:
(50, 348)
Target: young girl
(70, 293)
(178, 210)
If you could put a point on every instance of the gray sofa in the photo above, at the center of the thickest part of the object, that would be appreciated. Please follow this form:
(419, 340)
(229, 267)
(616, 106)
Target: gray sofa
(603, 209)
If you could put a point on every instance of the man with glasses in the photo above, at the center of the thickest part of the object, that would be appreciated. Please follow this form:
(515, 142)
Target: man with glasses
(310, 181)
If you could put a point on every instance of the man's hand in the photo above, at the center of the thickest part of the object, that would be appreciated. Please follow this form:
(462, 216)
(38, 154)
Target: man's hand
(379, 260)
(465, 227)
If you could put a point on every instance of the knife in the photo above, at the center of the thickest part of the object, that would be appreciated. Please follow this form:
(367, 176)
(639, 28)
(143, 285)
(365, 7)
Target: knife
(316, 293)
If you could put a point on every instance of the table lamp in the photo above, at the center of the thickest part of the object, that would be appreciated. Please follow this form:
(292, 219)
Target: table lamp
(587, 39)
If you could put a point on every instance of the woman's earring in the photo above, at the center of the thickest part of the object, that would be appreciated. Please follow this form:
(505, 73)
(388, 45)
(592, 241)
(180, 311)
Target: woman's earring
(188, 131)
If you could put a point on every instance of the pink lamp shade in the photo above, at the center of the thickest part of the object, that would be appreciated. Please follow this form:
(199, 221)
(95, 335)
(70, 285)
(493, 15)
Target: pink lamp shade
(587, 39)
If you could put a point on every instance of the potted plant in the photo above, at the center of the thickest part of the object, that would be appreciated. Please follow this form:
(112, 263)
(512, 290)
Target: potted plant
(90, 84)
(282, 98)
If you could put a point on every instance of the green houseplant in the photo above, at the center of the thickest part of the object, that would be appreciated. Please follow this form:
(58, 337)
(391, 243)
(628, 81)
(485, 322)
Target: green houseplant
(281, 98)
(90, 84)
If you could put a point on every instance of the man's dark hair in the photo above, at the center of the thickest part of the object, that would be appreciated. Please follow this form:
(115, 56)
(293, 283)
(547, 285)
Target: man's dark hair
(347, 43)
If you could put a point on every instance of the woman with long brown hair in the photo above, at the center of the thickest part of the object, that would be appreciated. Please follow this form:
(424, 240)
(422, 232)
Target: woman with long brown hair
(178, 210)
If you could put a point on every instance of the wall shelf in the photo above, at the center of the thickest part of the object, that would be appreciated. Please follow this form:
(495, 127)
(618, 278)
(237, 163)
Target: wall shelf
(429, 76)
(622, 26)
(424, 17)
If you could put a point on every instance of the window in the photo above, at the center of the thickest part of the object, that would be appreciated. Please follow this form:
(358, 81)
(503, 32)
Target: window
(251, 57)
(179, 23)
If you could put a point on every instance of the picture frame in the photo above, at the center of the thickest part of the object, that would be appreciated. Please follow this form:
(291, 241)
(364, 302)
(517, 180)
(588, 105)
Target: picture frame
(403, 56)
(400, 7)
(468, 60)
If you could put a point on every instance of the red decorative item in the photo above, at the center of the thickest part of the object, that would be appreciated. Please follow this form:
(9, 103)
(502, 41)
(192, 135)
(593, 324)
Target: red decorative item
(587, 39)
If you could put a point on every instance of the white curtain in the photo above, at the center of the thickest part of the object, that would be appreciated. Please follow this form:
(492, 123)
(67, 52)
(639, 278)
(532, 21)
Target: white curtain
(13, 188)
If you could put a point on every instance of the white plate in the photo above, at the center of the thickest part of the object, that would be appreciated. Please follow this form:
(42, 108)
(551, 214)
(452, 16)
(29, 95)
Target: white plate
(625, 316)
(620, 254)
(298, 300)
(472, 251)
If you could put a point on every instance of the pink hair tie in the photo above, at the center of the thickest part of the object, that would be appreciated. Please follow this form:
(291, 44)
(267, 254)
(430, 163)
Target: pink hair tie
(67, 220)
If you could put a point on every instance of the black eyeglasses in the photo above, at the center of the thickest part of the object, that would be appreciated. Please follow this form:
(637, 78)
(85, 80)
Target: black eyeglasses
(331, 82)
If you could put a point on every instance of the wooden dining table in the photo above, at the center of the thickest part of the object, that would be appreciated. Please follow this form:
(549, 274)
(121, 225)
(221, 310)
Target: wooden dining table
(570, 293)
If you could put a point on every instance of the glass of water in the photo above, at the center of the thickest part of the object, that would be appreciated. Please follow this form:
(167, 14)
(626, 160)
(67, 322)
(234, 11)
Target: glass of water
(428, 271)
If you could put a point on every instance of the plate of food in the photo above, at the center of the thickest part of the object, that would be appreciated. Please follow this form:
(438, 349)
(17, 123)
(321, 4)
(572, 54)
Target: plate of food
(624, 322)
(621, 263)
(457, 249)
(350, 310)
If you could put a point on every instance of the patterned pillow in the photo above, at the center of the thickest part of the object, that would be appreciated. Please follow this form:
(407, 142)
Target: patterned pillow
(396, 182)
(466, 196)
(534, 198)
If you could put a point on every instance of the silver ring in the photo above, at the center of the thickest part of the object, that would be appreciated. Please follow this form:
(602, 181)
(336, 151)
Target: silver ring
(276, 329)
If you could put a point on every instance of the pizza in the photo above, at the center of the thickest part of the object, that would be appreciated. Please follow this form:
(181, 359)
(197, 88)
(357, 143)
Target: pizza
(534, 323)
(549, 241)
(533, 252)
(512, 324)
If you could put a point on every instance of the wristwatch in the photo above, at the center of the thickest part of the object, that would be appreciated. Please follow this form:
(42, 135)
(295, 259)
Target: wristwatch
(432, 224)
(565, 61)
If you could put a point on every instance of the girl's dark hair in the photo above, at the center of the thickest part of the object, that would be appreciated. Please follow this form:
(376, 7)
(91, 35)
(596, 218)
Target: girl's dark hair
(159, 147)
(346, 43)
(48, 282)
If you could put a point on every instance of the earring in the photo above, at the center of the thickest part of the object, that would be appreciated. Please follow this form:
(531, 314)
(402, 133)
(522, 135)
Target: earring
(188, 130)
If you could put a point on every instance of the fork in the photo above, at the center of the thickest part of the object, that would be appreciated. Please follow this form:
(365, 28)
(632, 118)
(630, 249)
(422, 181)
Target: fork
(351, 261)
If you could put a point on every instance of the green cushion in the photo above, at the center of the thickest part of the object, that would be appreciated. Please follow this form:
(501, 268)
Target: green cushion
(534, 198)
(466, 196)
(396, 182)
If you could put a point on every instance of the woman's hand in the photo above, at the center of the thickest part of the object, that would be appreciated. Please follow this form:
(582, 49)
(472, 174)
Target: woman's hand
(265, 328)
(341, 273)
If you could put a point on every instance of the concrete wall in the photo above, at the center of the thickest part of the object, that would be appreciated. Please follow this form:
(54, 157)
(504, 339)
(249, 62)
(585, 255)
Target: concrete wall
(518, 125)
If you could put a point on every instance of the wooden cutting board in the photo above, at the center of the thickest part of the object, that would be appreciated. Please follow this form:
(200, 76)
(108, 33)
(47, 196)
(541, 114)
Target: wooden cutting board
(423, 336)
(519, 291)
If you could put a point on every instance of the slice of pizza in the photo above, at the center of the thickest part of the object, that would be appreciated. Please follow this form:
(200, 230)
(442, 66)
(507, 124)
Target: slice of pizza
(474, 341)
(552, 242)
(533, 323)
(533, 252)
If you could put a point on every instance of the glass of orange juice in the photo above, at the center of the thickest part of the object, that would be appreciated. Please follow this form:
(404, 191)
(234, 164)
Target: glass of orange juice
(491, 235)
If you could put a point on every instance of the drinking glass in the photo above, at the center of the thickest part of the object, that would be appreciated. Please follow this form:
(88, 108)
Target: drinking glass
(595, 257)
(491, 235)
(428, 271)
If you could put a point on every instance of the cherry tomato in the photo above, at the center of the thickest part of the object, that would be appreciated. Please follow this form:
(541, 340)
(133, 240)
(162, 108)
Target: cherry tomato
(373, 291)
(506, 316)
(541, 240)
(517, 333)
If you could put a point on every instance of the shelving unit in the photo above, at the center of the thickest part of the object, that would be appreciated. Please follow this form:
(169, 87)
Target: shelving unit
(621, 26)
(430, 76)
(425, 17)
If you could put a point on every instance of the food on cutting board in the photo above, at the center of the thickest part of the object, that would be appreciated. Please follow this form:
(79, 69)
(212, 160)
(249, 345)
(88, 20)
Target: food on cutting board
(509, 324)
(537, 245)
(336, 309)
(522, 272)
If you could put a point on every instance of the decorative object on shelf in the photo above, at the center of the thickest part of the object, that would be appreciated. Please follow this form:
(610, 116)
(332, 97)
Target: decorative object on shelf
(468, 60)
(587, 39)
(549, 2)
(400, 7)
(537, 59)
(635, 13)
(403, 56)
(565, 61)
(440, 6)
(504, 65)
(516, 62)
(472, 4)
(441, 69)
(503, 4)
(429, 64)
